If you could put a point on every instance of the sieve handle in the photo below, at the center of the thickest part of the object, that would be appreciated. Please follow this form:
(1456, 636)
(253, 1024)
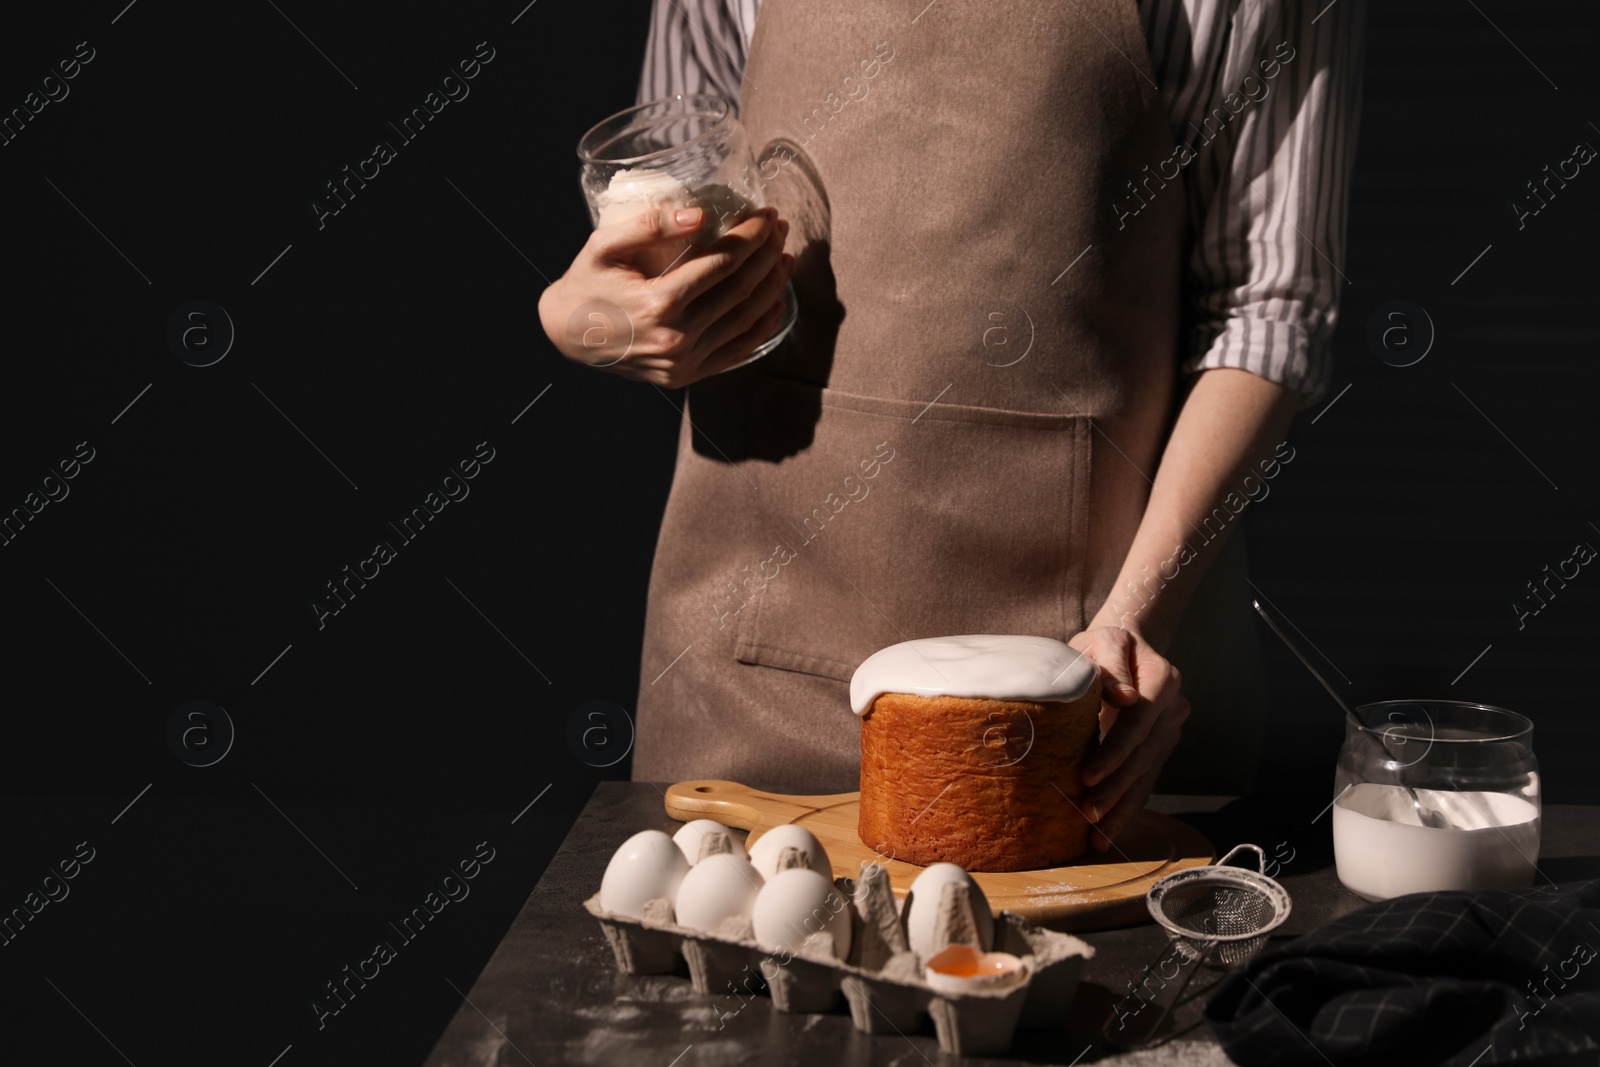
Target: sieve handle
(1135, 1021)
(1261, 857)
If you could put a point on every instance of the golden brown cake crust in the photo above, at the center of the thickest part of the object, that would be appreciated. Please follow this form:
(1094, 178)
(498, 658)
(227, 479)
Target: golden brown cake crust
(990, 785)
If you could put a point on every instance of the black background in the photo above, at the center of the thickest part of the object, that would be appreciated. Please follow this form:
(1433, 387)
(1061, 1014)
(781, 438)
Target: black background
(433, 710)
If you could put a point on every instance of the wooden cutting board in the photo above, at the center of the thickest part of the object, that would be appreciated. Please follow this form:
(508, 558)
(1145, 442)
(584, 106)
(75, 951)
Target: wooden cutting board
(1106, 889)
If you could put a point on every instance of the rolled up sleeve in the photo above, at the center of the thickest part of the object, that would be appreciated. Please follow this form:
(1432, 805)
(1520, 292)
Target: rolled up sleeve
(1274, 136)
(696, 46)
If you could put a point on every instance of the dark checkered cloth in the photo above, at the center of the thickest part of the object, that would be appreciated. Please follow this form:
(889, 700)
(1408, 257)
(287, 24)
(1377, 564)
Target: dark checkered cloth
(1457, 979)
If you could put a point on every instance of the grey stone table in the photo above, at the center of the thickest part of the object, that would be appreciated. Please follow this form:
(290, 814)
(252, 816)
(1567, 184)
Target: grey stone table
(551, 993)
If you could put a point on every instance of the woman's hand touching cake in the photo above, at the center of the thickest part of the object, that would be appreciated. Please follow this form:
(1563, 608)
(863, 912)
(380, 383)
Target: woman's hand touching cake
(1142, 713)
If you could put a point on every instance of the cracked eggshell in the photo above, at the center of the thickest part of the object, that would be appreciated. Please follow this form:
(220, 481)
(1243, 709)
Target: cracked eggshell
(797, 903)
(690, 834)
(921, 915)
(962, 969)
(770, 845)
(718, 887)
(647, 866)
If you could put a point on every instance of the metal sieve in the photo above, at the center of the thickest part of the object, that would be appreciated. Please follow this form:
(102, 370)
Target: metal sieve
(1232, 909)
(1217, 911)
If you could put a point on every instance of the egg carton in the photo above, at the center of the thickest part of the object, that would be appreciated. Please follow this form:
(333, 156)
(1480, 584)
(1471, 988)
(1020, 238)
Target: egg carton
(883, 985)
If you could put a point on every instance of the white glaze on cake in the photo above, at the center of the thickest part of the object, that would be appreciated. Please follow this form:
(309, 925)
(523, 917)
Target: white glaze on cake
(998, 666)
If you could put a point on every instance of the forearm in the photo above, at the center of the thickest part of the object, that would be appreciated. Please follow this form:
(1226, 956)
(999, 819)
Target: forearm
(1220, 455)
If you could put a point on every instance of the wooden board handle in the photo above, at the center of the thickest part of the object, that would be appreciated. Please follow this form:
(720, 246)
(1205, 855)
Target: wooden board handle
(741, 807)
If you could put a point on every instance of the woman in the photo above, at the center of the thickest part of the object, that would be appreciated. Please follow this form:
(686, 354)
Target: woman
(1065, 274)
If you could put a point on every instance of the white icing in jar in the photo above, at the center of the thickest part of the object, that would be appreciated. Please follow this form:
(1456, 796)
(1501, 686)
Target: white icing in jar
(1383, 849)
(1470, 767)
(997, 666)
(633, 190)
(637, 189)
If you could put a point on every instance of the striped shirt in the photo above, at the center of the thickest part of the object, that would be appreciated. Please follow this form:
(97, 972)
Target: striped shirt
(1266, 193)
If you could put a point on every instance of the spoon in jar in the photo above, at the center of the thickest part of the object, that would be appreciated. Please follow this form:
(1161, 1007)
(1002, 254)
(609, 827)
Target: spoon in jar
(1428, 816)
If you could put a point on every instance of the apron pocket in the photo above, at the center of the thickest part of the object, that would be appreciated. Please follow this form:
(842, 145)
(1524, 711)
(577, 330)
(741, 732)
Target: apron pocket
(905, 519)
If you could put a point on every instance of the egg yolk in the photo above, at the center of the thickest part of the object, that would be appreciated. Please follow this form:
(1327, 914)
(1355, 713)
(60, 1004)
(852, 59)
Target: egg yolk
(963, 961)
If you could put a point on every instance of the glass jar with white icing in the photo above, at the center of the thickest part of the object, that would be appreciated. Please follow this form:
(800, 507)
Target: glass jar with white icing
(1435, 795)
(688, 150)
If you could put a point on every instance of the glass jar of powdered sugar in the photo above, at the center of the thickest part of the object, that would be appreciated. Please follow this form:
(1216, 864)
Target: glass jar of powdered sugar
(1433, 795)
(688, 150)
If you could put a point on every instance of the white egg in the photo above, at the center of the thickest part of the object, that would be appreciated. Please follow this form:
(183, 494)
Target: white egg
(770, 845)
(647, 866)
(717, 887)
(690, 834)
(922, 908)
(797, 903)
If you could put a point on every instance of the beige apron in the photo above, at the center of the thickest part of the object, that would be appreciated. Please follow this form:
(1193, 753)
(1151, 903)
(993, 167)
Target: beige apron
(918, 458)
